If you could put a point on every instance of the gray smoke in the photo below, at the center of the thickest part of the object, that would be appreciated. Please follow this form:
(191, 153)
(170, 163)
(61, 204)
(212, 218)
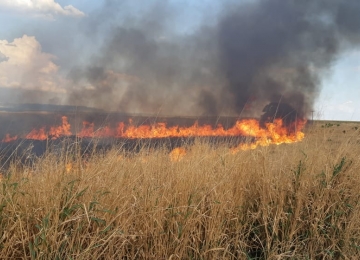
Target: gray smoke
(235, 61)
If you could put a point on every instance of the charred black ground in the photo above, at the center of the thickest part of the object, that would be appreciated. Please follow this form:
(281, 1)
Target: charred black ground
(28, 151)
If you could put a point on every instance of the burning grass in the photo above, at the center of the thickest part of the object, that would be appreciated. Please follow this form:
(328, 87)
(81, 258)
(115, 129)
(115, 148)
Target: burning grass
(296, 200)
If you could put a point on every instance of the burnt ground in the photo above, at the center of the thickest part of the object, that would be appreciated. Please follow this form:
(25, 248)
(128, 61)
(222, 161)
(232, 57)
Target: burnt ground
(26, 151)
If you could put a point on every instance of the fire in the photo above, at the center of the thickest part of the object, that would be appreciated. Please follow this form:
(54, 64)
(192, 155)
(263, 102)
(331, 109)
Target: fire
(63, 130)
(177, 154)
(8, 138)
(88, 131)
(68, 167)
(274, 133)
(37, 134)
(54, 132)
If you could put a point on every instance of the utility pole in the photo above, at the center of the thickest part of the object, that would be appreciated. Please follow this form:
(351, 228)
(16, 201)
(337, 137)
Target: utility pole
(312, 116)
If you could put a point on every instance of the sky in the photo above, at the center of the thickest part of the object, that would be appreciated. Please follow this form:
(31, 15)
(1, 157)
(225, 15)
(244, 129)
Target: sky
(41, 39)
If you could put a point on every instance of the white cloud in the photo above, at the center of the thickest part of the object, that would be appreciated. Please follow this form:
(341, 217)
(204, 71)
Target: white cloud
(345, 111)
(26, 66)
(43, 8)
(3, 57)
(345, 107)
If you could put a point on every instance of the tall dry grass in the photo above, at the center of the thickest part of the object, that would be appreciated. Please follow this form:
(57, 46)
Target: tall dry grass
(296, 201)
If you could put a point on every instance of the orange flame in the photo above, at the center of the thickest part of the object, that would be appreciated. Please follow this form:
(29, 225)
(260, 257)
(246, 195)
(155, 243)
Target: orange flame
(54, 132)
(88, 131)
(63, 130)
(37, 134)
(177, 154)
(8, 138)
(273, 133)
(68, 167)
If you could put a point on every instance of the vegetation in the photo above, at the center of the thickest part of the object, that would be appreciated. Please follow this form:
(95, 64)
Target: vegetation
(293, 201)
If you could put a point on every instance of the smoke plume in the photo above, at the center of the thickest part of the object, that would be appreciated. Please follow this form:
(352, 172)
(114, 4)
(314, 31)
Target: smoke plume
(231, 60)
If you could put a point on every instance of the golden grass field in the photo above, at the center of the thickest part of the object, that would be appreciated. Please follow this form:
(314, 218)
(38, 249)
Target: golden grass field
(292, 201)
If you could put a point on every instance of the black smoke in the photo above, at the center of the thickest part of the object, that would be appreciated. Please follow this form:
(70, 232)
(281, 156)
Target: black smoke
(234, 61)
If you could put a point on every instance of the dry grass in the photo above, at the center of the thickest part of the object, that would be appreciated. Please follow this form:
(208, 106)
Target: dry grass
(298, 201)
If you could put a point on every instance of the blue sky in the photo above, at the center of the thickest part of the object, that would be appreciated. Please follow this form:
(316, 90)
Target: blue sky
(339, 98)
(340, 93)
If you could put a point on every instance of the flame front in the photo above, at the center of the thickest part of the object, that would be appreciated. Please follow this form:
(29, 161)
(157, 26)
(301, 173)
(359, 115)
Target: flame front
(54, 132)
(273, 133)
(8, 138)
